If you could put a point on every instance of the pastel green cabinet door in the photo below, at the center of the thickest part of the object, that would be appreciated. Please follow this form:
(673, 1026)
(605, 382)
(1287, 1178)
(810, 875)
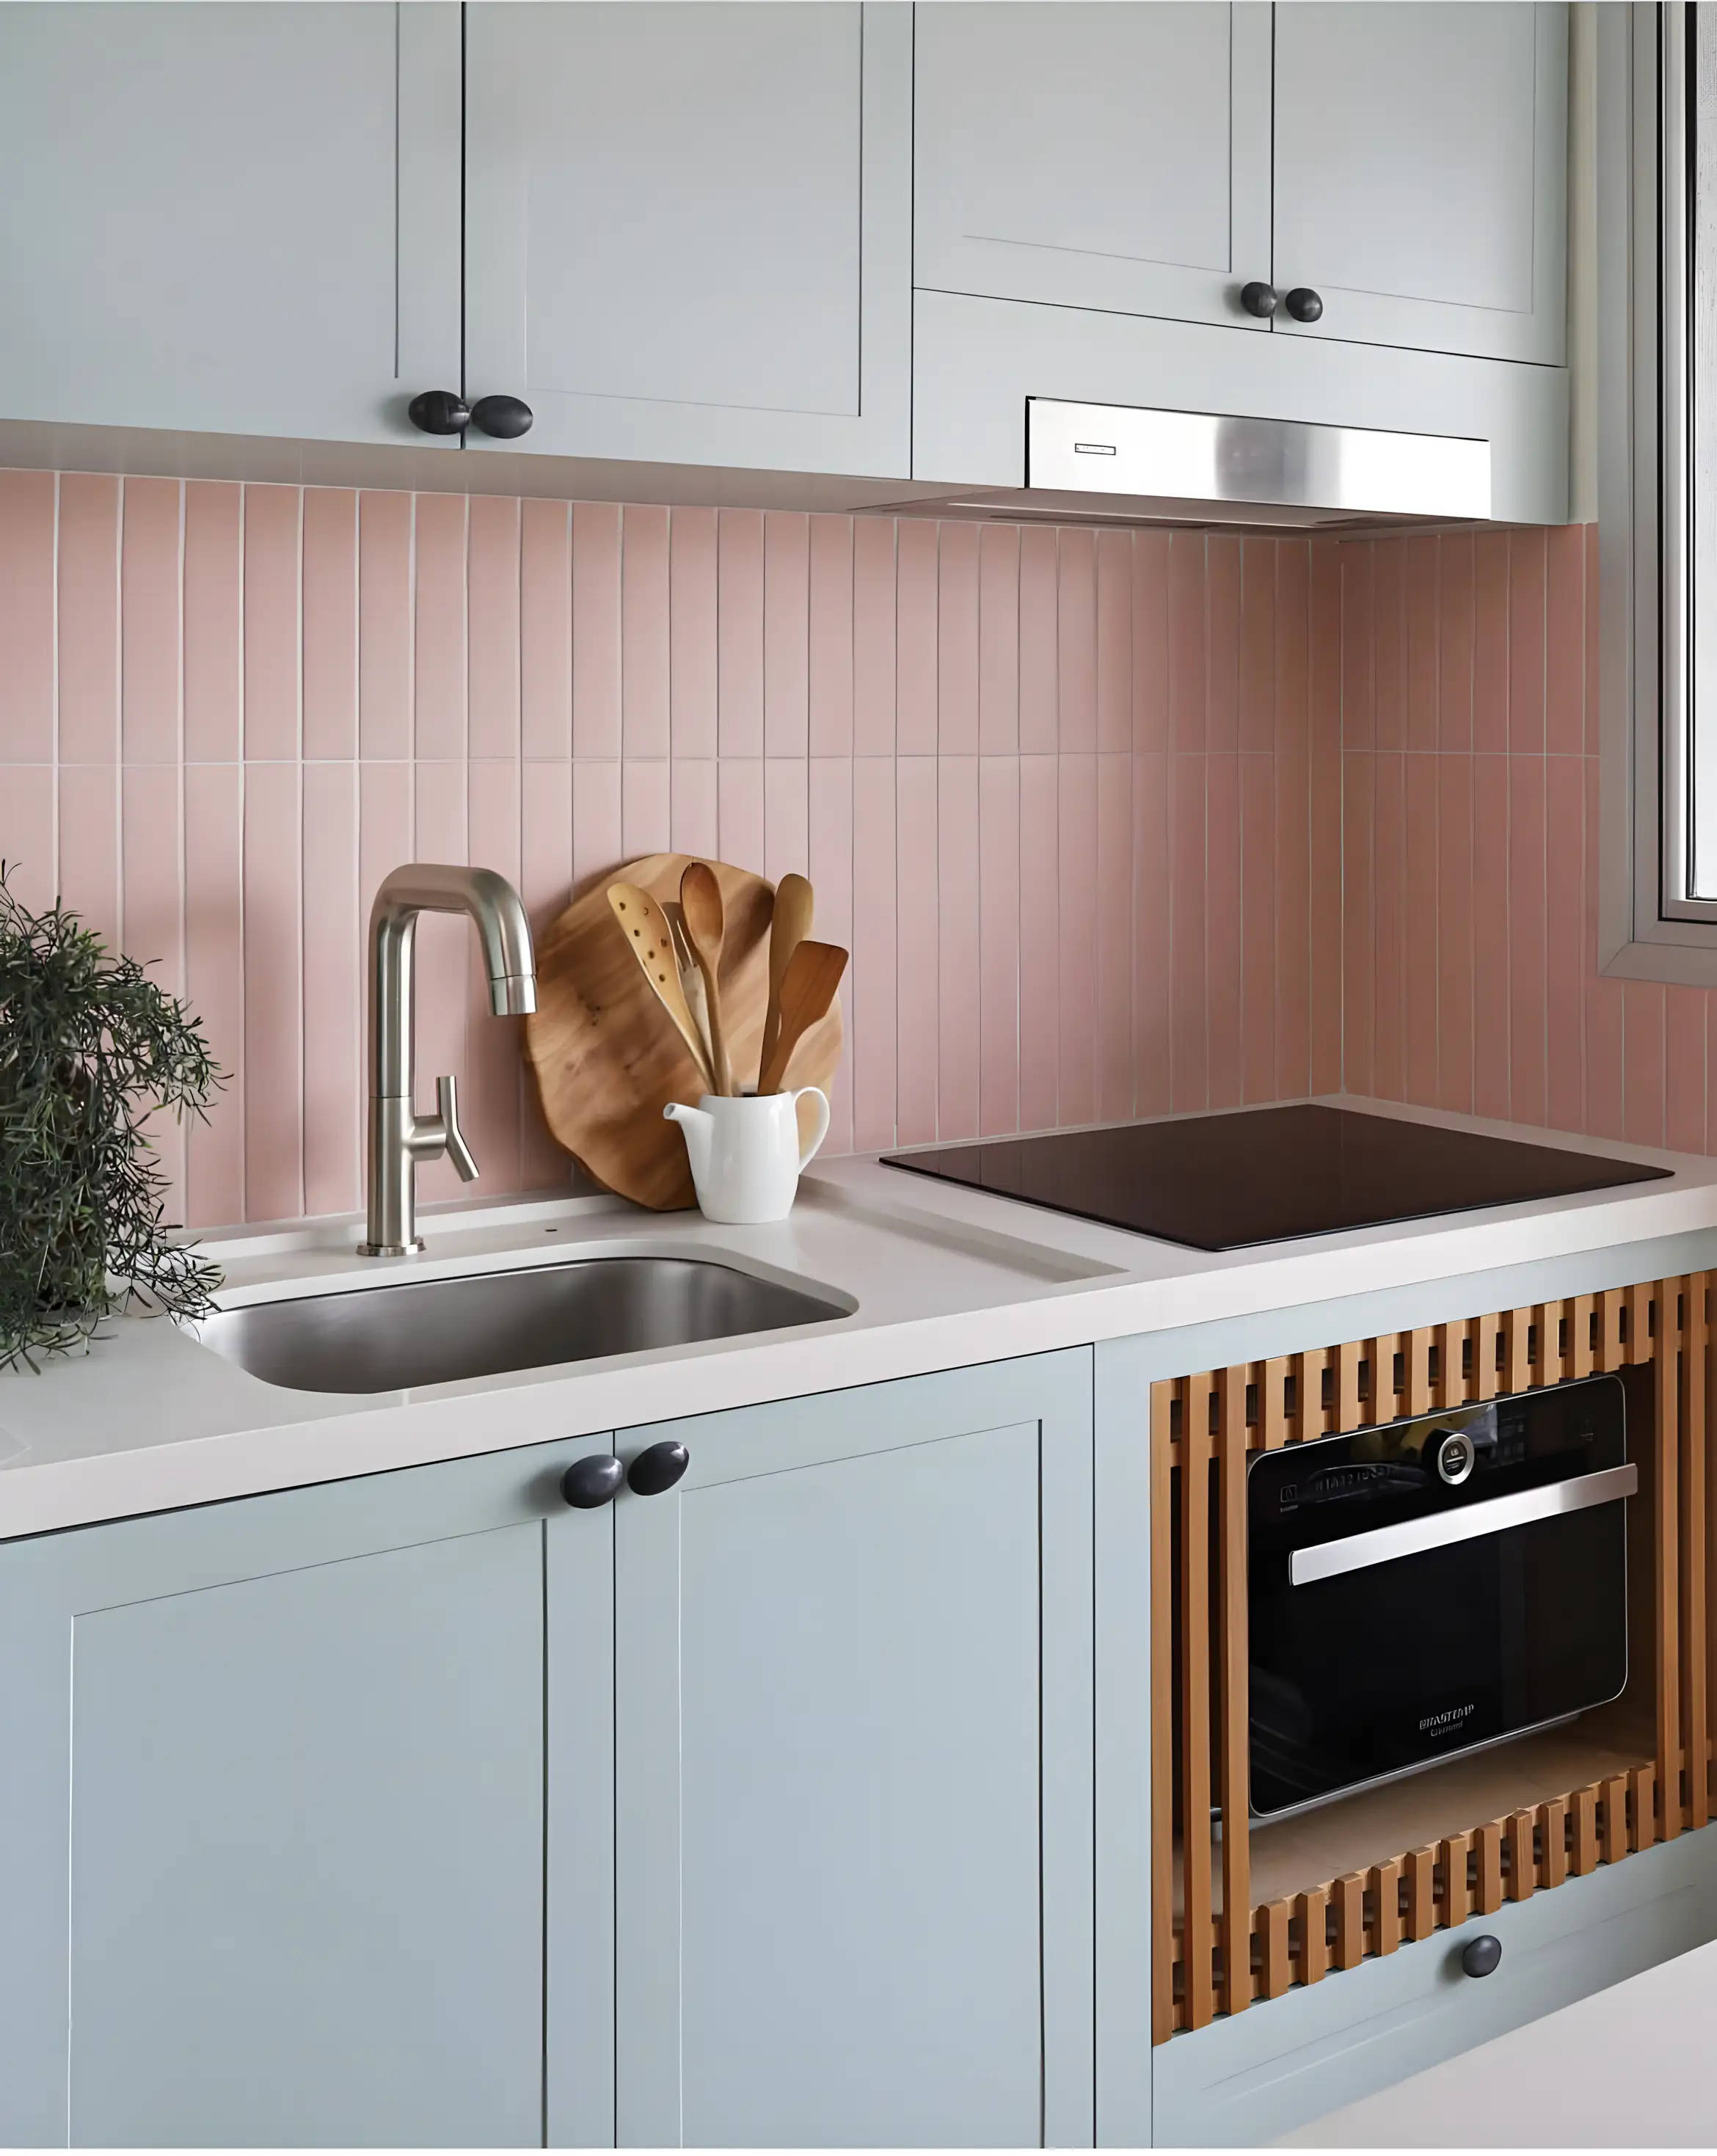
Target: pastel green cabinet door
(854, 1742)
(272, 1788)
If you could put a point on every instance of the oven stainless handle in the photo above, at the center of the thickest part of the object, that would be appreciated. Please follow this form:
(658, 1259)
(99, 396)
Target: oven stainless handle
(1379, 1545)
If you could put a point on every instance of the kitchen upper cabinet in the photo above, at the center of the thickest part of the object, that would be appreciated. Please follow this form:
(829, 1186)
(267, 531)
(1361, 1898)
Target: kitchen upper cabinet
(854, 1742)
(232, 220)
(272, 1784)
(1421, 166)
(1095, 156)
(688, 234)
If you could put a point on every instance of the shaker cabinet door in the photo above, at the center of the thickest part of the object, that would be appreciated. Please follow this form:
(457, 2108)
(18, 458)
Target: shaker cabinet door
(230, 219)
(854, 1742)
(1093, 155)
(688, 229)
(1421, 174)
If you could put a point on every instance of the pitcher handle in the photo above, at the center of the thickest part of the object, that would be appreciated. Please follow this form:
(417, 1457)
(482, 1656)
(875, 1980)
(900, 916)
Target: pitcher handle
(806, 1151)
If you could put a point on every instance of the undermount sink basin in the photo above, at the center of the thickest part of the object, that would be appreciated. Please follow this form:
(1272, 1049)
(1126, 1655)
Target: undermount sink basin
(428, 1332)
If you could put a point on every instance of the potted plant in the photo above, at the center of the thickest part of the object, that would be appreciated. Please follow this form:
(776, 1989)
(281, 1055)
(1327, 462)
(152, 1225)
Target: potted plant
(90, 1049)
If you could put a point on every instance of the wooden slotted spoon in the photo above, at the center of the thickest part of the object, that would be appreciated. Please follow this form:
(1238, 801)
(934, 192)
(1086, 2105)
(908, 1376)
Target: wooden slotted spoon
(701, 917)
(645, 928)
(807, 988)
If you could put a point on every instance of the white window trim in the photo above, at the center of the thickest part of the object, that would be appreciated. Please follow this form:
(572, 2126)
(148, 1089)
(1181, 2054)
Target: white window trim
(1645, 931)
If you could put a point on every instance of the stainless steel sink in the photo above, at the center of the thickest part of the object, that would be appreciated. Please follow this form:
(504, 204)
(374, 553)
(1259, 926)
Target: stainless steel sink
(427, 1332)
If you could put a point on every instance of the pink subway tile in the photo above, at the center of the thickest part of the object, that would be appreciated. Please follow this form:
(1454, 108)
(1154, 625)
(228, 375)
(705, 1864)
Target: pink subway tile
(596, 845)
(152, 900)
(692, 632)
(214, 985)
(1490, 936)
(1526, 652)
(917, 988)
(27, 588)
(596, 630)
(386, 809)
(1454, 988)
(1529, 1094)
(546, 885)
(439, 729)
(1325, 907)
(1188, 657)
(1358, 926)
(786, 811)
(1593, 602)
(1490, 641)
(1115, 642)
(1643, 1092)
(1419, 974)
(1685, 1082)
(1568, 957)
(1076, 894)
(869, 989)
(830, 868)
(1222, 931)
(998, 943)
(1222, 641)
(273, 619)
(1151, 641)
(1565, 639)
(1076, 642)
(740, 808)
(384, 622)
(443, 814)
(1039, 723)
(492, 612)
(1189, 968)
(1291, 984)
(331, 622)
(874, 639)
(998, 640)
(646, 811)
(739, 632)
(89, 847)
(1260, 649)
(1455, 629)
(1388, 646)
(1324, 641)
(1039, 937)
(958, 941)
(150, 637)
(1419, 570)
(29, 824)
(1291, 678)
(645, 606)
(1388, 925)
(1115, 932)
(693, 822)
(1358, 644)
(334, 1076)
(546, 631)
(787, 633)
(957, 640)
(1260, 966)
(88, 619)
(494, 1046)
(1606, 1013)
(916, 638)
(829, 681)
(274, 991)
(1152, 912)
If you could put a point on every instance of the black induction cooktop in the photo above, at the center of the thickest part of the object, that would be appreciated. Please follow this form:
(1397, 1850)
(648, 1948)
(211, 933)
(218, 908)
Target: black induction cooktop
(1221, 1183)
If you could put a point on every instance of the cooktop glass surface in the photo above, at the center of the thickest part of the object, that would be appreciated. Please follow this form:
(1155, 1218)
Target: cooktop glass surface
(1221, 1182)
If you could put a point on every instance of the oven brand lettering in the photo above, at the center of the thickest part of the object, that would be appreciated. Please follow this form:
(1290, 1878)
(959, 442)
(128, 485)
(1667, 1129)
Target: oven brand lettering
(1429, 1721)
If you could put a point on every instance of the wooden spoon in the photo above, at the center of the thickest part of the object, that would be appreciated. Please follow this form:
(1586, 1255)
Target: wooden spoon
(691, 981)
(646, 931)
(701, 917)
(788, 927)
(807, 988)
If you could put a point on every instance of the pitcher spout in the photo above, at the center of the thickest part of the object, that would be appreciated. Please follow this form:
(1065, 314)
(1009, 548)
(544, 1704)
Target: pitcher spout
(696, 1124)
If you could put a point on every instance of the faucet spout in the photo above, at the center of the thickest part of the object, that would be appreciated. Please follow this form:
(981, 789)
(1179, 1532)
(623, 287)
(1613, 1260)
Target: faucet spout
(398, 1137)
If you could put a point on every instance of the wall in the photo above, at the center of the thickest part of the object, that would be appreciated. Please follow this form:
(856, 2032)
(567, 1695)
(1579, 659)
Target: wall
(1074, 799)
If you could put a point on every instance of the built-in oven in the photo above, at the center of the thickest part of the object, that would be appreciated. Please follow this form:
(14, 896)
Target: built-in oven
(1434, 1586)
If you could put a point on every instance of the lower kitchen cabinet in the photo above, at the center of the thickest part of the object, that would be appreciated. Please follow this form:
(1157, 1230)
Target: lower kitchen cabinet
(855, 1888)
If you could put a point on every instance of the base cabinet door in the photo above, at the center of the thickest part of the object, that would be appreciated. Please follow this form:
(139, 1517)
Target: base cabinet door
(272, 1793)
(853, 1737)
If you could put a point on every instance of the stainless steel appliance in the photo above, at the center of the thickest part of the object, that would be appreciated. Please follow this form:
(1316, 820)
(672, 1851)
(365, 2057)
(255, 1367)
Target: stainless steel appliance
(1434, 1587)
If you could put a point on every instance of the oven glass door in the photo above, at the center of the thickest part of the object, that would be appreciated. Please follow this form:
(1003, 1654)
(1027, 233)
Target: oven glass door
(1431, 1587)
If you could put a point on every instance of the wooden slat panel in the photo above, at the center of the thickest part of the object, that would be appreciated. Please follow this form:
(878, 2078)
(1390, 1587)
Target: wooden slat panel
(1197, 1928)
(1275, 1971)
(1162, 1756)
(1488, 1840)
(1451, 1386)
(1667, 1550)
(1640, 1299)
(1233, 1761)
(1615, 1819)
(1610, 1354)
(1385, 1907)
(1313, 1910)
(1546, 1343)
(1350, 1409)
(1486, 1332)
(1586, 1841)
(1582, 1310)
(1348, 1894)
(1422, 1893)
(1307, 1419)
(1553, 1834)
(1418, 1398)
(1694, 1528)
(1523, 1864)
(1272, 1413)
(1456, 1894)
(1517, 1361)
(1641, 1807)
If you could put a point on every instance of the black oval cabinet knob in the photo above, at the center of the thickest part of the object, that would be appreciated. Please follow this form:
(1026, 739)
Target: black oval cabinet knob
(592, 1481)
(658, 1468)
(439, 412)
(1479, 1956)
(506, 417)
(1304, 304)
(1259, 299)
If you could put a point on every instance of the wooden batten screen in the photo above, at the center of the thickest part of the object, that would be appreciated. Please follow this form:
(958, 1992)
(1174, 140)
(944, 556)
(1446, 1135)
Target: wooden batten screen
(1215, 1954)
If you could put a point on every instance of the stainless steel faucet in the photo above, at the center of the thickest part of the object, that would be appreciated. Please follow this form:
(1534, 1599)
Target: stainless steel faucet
(398, 1137)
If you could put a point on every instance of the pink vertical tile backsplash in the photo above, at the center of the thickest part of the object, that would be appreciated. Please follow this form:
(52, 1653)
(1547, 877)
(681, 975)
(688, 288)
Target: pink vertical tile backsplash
(1113, 824)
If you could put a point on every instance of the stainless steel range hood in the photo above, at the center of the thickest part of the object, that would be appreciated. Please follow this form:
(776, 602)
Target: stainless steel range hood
(1154, 467)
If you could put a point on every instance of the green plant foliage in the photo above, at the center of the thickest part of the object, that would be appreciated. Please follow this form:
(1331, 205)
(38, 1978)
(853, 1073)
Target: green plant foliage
(90, 1047)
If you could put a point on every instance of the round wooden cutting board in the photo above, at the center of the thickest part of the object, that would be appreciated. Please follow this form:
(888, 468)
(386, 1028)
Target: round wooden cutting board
(606, 1055)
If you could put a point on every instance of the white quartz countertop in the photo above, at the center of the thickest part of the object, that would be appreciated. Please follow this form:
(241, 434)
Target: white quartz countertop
(936, 1277)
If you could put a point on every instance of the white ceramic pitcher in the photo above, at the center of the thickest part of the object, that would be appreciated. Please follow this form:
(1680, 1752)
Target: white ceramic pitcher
(745, 1151)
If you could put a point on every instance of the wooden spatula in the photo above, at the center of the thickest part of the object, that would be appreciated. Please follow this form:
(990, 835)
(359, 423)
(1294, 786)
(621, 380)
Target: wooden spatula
(645, 928)
(807, 988)
(701, 917)
(788, 927)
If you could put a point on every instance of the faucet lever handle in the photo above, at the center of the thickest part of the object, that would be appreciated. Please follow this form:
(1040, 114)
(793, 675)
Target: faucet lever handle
(446, 1102)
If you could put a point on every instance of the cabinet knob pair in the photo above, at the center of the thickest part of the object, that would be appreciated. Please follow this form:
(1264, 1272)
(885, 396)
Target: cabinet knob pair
(439, 412)
(1261, 300)
(595, 1480)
